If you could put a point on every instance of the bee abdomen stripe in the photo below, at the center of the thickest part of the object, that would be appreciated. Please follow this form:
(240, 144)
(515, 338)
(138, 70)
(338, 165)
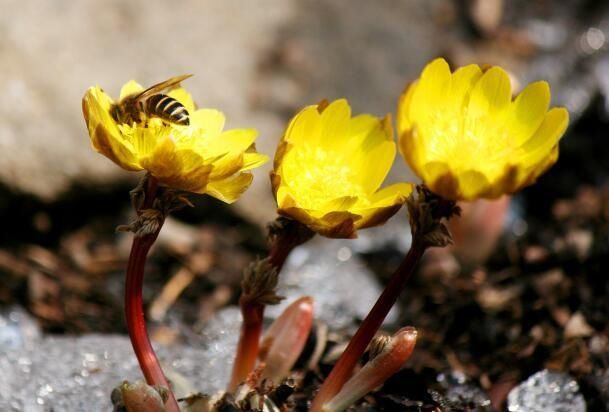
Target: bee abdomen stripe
(158, 102)
(177, 110)
(168, 108)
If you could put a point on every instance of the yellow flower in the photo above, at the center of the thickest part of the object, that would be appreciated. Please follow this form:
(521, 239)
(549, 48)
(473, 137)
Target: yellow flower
(328, 169)
(200, 157)
(466, 138)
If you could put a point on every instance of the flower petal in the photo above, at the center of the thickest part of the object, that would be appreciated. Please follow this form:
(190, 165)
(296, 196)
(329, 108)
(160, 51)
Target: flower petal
(546, 136)
(529, 110)
(228, 190)
(466, 139)
(473, 184)
(429, 94)
(210, 121)
(335, 120)
(491, 95)
(182, 96)
(129, 88)
(253, 160)
(377, 149)
(463, 80)
(385, 203)
(106, 138)
(329, 165)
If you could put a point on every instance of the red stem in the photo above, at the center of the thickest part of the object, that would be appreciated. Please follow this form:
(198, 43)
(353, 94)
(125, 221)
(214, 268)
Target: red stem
(134, 312)
(253, 316)
(280, 250)
(249, 342)
(343, 369)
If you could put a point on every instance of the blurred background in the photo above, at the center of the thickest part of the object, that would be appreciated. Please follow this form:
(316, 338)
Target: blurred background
(61, 264)
(259, 63)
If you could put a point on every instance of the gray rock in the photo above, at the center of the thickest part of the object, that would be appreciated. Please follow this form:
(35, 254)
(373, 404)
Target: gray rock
(77, 374)
(392, 236)
(343, 287)
(17, 329)
(547, 391)
(462, 394)
(53, 51)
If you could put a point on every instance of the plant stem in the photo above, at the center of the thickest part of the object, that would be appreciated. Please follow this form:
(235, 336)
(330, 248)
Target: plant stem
(287, 235)
(134, 312)
(280, 250)
(249, 343)
(253, 316)
(343, 369)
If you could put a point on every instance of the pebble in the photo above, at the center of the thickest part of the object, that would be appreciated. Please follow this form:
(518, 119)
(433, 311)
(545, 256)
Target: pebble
(342, 286)
(547, 391)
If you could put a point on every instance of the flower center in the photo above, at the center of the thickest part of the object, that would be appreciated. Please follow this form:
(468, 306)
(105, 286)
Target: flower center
(316, 176)
(467, 143)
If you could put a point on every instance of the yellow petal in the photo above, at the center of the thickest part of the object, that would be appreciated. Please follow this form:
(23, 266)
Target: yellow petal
(181, 95)
(384, 204)
(228, 190)
(329, 165)
(364, 131)
(105, 136)
(210, 121)
(235, 140)
(253, 160)
(114, 149)
(163, 161)
(466, 139)
(473, 184)
(412, 150)
(335, 122)
(490, 95)
(430, 92)
(403, 119)
(338, 225)
(129, 88)
(187, 158)
(463, 80)
(546, 136)
(230, 148)
(339, 204)
(529, 110)
(305, 127)
(381, 155)
(541, 167)
(397, 192)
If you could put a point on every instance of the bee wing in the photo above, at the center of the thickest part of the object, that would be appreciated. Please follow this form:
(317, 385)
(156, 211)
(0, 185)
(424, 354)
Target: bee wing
(157, 88)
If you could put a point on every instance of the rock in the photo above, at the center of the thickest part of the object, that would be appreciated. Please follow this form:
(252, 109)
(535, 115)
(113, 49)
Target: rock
(486, 15)
(17, 329)
(578, 327)
(463, 395)
(48, 64)
(358, 50)
(394, 236)
(343, 287)
(77, 374)
(219, 337)
(547, 391)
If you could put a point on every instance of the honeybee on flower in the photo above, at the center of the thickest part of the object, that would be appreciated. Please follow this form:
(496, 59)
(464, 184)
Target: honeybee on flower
(137, 107)
(197, 155)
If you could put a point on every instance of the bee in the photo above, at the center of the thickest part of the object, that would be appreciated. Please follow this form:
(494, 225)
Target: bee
(151, 102)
